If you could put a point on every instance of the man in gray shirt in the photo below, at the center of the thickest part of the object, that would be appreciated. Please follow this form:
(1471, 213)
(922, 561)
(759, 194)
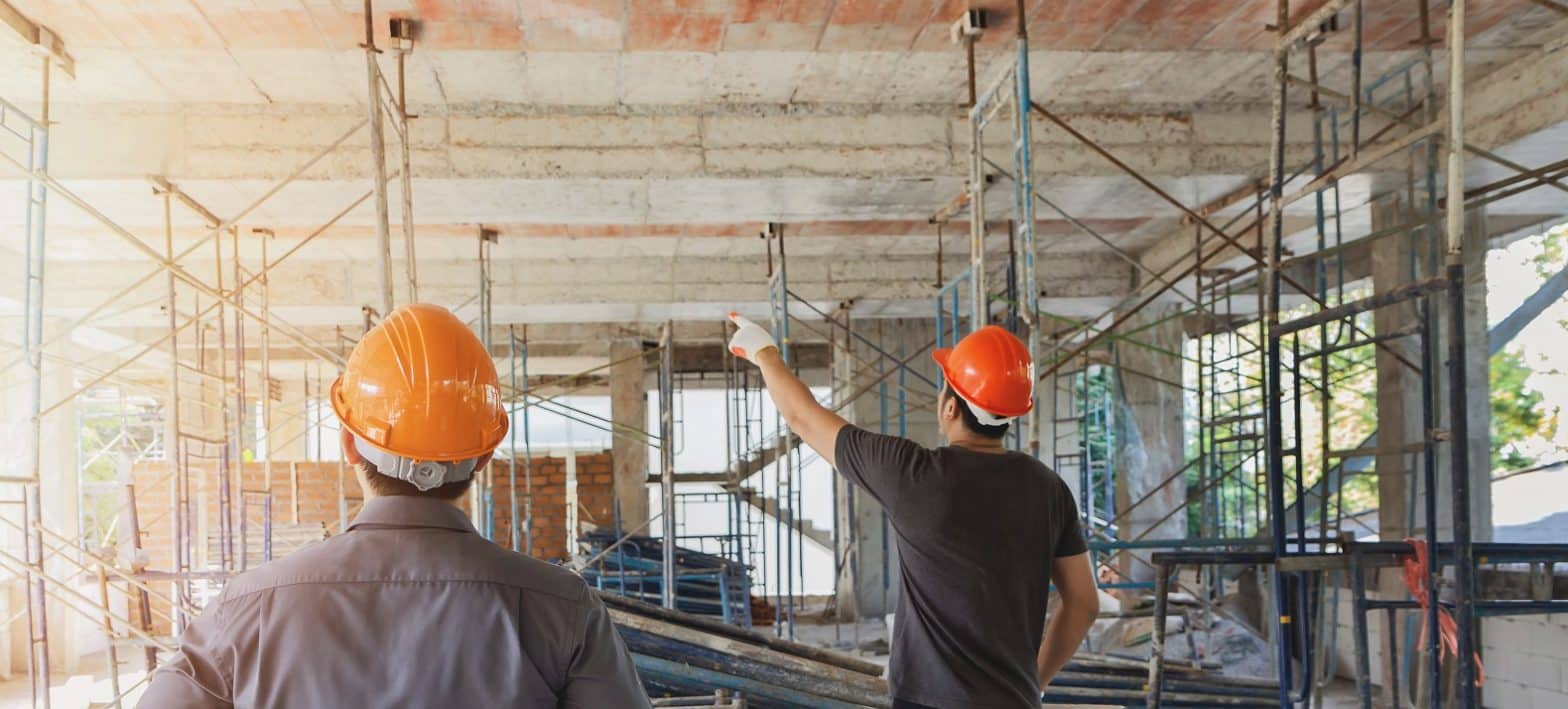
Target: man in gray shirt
(410, 607)
(982, 531)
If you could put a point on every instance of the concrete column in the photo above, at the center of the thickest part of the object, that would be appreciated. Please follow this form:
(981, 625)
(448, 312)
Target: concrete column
(1398, 405)
(1058, 436)
(289, 426)
(1399, 392)
(1149, 437)
(1395, 261)
(629, 407)
(1478, 370)
(1398, 386)
(868, 583)
(61, 512)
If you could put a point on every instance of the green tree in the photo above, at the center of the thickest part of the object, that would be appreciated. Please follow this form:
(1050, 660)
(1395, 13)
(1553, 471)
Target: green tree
(1519, 412)
(1554, 251)
(1553, 256)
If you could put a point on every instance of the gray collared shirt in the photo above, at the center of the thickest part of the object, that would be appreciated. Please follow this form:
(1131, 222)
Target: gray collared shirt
(409, 608)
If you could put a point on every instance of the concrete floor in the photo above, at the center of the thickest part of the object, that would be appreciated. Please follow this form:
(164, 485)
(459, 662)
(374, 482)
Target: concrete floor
(79, 691)
(88, 687)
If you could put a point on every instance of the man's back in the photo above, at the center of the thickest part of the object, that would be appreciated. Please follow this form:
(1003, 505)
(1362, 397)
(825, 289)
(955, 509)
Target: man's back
(410, 607)
(977, 533)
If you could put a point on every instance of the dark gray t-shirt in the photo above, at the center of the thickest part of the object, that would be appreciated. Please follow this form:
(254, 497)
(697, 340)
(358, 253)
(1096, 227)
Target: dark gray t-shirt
(976, 536)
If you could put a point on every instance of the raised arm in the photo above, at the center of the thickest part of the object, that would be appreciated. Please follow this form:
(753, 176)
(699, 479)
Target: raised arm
(1067, 627)
(816, 424)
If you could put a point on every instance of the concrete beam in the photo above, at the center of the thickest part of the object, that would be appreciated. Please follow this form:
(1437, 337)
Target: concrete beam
(197, 142)
(1524, 96)
(41, 38)
(309, 287)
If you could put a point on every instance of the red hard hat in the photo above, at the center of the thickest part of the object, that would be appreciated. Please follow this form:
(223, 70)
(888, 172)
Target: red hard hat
(990, 369)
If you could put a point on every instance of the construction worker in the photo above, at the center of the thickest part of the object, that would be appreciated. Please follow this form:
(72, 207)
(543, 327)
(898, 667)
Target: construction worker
(410, 606)
(982, 531)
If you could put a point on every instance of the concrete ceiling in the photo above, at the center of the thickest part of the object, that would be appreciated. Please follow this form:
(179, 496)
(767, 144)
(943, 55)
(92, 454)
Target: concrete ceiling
(629, 152)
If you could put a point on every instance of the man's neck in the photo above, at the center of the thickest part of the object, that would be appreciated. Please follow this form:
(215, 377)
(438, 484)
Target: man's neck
(980, 445)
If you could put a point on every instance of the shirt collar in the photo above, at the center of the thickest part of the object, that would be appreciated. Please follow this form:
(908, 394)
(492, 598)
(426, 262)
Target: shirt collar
(407, 511)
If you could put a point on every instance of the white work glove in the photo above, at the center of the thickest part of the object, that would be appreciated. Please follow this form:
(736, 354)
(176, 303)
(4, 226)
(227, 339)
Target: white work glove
(750, 339)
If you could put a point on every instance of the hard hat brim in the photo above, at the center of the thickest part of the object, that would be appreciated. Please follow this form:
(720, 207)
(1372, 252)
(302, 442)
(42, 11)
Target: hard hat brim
(347, 420)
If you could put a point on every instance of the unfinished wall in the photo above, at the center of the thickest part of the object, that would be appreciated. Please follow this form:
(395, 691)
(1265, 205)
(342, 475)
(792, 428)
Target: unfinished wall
(1525, 657)
(595, 500)
(1150, 439)
(868, 584)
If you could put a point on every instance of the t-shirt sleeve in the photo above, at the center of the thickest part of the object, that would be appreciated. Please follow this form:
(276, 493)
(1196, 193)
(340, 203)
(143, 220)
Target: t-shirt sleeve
(881, 465)
(1069, 537)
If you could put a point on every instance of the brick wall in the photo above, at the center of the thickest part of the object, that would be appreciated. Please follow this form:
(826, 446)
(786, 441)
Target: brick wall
(318, 486)
(595, 500)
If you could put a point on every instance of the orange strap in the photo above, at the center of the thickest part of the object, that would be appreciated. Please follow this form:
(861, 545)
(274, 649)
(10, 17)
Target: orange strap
(1416, 566)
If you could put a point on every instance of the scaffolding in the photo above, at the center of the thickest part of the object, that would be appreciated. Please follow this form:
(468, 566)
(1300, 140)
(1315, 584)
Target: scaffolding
(216, 414)
(1265, 341)
(1266, 485)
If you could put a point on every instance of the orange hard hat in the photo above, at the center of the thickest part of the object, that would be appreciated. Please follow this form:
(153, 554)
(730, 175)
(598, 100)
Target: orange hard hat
(992, 371)
(421, 385)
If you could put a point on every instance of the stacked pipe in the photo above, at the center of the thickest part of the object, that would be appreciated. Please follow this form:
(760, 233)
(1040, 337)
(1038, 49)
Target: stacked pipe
(680, 654)
(705, 584)
(1113, 681)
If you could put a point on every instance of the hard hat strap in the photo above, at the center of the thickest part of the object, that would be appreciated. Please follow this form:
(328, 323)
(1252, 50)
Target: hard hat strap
(422, 474)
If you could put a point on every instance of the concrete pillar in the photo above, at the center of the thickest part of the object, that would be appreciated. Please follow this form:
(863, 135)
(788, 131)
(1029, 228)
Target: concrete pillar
(868, 583)
(1058, 436)
(1477, 363)
(1149, 437)
(629, 455)
(1401, 495)
(58, 502)
(1398, 387)
(290, 428)
(58, 488)
(1399, 392)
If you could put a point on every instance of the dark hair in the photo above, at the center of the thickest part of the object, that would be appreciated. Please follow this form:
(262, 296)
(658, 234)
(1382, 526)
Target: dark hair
(388, 486)
(970, 422)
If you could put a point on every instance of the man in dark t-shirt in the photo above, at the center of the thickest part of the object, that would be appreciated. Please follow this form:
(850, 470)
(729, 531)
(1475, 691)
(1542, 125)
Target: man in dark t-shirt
(982, 531)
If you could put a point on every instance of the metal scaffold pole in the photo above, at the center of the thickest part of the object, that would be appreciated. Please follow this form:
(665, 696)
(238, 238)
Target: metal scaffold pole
(979, 312)
(264, 431)
(1024, 195)
(1459, 445)
(667, 459)
(378, 166)
(403, 31)
(234, 476)
(32, 344)
(483, 492)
